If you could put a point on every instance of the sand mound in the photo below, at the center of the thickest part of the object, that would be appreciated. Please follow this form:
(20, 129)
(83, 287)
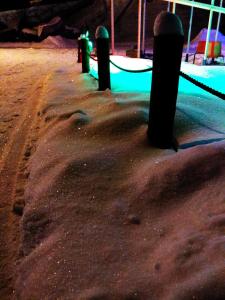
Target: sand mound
(50, 42)
(109, 217)
(58, 42)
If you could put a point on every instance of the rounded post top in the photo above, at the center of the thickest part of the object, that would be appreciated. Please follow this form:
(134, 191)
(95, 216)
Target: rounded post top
(167, 23)
(101, 33)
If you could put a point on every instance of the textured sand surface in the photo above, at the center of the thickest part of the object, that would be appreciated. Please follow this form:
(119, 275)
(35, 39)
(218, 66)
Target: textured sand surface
(51, 42)
(109, 217)
(24, 74)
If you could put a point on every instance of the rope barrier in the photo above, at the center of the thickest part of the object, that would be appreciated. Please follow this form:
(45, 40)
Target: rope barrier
(93, 58)
(203, 86)
(131, 71)
(182, 74)
(123, 69)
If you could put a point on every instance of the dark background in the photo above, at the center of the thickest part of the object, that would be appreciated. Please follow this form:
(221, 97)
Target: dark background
(96, 12)
(17, 4)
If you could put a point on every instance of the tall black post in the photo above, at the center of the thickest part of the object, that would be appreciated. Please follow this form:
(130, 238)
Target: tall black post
(186, 57)
(168, 47)
(79, 52)
(85, 55)
(102, 44)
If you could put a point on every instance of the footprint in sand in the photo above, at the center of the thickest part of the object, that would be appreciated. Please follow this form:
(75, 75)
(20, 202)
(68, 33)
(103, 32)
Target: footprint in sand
(217, 222)
(27, 153)
(18, 206)
(19, 191)
(134, 219)
(7, 120)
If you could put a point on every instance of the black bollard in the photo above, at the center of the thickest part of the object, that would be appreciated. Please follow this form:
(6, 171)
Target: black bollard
(186, 57)
(85, 54)
(79, 52)
(168, 47)
(102, 45)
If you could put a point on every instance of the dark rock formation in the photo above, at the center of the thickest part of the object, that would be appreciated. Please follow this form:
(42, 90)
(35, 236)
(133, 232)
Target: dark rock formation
(3, 26)
(28, 35)
(53, 27)
(8, 35)
(20, 24)
(13, 4)
(36, 15)
(88, 14)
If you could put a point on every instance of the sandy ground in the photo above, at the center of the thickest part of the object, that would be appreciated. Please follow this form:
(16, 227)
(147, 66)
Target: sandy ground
(51, 42)
(23, 76)
(106, 216)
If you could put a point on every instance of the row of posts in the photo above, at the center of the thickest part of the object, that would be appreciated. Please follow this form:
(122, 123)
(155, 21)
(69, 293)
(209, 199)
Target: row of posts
(103, 56)
(167, 56)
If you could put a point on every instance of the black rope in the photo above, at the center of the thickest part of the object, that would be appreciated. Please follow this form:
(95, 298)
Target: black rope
(122, 69)
(185, 76)
(93, 57)
(131, 71)
(203, 86)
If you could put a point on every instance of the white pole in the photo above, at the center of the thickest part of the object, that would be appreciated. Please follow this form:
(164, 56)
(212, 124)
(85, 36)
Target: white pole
(218, 22)
(189, 32)
(139, 28)
(208, 33)
(112, 27)
(201, 5)
(168, 6)
(144, 26)
(174, 7)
